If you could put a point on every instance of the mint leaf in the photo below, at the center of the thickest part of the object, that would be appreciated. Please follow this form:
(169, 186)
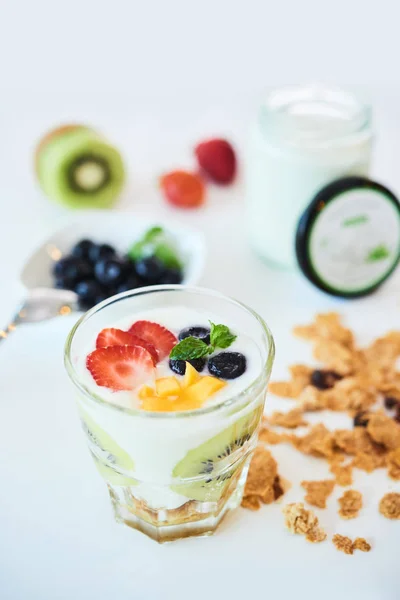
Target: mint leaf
(189, 348)
(152, 233)
(220, 336)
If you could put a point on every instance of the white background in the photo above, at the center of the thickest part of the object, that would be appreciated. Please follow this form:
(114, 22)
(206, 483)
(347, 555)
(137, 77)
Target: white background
(157, 77)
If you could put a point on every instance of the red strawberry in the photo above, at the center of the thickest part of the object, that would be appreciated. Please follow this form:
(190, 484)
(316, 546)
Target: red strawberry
(117, 337)
(120, 367)
(161, 338)
(183, 189)
(217, 158)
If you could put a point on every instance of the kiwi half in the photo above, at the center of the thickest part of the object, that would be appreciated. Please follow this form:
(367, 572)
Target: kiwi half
(77, 167)
(207, 460)
(107, 452)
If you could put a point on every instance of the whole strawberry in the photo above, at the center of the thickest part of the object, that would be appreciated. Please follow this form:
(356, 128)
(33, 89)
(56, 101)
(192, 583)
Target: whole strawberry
(217, 159)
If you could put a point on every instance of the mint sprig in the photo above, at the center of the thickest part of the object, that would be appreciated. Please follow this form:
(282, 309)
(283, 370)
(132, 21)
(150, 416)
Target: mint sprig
(192, 347)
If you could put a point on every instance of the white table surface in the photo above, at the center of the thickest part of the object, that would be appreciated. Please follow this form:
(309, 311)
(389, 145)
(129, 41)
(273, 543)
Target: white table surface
(58, 539)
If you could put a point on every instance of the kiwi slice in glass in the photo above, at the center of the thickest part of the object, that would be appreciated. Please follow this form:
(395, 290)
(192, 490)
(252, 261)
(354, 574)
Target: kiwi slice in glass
(206, 459)
(77, 167)
(106, 449)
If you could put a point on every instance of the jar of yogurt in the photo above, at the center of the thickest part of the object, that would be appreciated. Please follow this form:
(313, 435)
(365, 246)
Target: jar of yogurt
(304, 138)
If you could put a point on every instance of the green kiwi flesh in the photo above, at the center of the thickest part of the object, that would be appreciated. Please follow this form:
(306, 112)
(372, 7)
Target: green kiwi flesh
(78, 168)
(107, 452)
(206, 459)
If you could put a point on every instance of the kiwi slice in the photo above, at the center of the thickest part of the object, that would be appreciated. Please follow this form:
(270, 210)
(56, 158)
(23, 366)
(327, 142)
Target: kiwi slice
(77, 167)
(107, 452)
(207, 460)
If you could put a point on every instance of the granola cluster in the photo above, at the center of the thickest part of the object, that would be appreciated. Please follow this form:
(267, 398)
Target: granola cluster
(362, 382)
(263, 485)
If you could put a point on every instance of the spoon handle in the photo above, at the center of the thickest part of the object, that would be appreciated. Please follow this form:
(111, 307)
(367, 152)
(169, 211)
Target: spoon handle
(4, 333)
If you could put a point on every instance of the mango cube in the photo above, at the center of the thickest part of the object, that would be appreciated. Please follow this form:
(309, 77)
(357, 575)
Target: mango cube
(167, 386)
(146, 392)
(200, 391)
(191, 376)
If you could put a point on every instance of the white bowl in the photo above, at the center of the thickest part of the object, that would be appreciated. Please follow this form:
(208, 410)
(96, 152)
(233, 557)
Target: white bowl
(121, 230)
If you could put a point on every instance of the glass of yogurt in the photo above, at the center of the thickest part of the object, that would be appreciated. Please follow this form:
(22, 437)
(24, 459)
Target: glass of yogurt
(170, 386)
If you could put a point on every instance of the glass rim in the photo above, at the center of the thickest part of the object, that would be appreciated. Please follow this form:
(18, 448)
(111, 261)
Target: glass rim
(136, 412)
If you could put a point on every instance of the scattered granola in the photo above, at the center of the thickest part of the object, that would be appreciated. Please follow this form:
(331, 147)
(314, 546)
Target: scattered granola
(290, 420)
(343, 543)
(393, 464)
(263, 483)
(350, 504)
(318, 491)
(384, 430)
(343, 473)
(389, 506)
(302, 521)
(361, 544)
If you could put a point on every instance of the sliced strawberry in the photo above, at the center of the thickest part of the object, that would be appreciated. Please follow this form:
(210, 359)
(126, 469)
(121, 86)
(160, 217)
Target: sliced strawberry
(117, 337)
(161, 338)
(120, 367)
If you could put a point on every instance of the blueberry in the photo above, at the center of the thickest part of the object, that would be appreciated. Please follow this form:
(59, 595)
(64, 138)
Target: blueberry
(150, 269)
(391, 402)
(87, 291)
(131, 282)
(83, 249)
(361, 419)
(179, 366)
(227, 365)
(197, 331)
(69, 270)
(324, 380)
(111, 272)
(171, 276)
(99, 251)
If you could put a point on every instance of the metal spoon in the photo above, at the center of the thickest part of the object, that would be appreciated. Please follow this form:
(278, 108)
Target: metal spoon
(40, 305)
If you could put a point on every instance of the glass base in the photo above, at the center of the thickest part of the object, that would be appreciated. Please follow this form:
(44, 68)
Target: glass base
(193, 518)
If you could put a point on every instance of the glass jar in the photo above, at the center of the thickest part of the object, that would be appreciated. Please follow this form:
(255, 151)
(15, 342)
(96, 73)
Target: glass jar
(154, 463)
(304, 138)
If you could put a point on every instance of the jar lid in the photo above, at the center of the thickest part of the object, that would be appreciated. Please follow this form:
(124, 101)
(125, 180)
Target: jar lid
(348, 238)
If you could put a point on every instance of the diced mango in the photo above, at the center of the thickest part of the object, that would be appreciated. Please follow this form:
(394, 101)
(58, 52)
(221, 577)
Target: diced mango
(146, 392)
(191, 376)
(167, 386)
(199, 392)
(156, 404)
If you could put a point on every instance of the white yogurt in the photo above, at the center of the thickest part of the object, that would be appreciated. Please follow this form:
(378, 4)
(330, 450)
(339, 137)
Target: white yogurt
(154, 442)
(304, 138)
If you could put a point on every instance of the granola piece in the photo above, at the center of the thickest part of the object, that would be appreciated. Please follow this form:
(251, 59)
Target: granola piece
(291, 419)
(350, 504)
(278, 488)
(343, 543)
(351, 393)
(393, 464)
(384, 350)
(301, 373)
(284, 389)
(334, 356)
(311, 399)
(251, 502)
(361, 544)
(316, 535)
(343, 473)
(271, 437)
(329, 326)
(318, 491)
(354, 441)
(369, 462)
(384, 430)
(389, 506)
(306, 332)
(303, 522)
(262, 472)
(317, 442)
